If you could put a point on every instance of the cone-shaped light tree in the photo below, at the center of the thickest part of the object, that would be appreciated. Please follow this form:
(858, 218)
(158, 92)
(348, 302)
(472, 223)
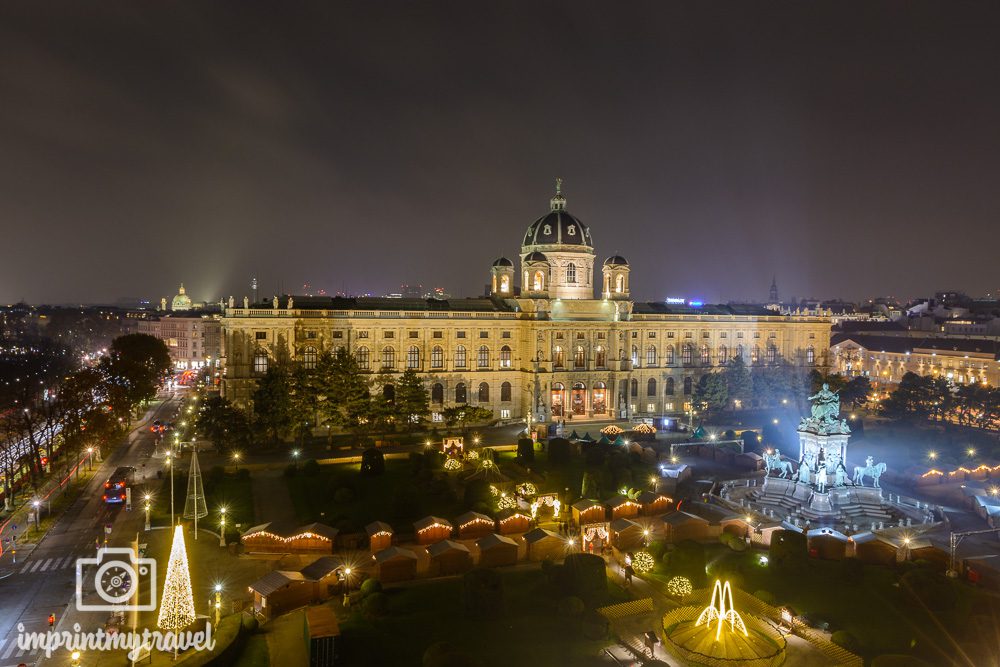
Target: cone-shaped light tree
(177, 603)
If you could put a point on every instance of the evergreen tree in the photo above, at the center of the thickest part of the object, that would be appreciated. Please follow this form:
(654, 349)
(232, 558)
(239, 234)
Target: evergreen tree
(412, 400)
(712, 392)
(344, 391)
(272, 402)
(739, 384)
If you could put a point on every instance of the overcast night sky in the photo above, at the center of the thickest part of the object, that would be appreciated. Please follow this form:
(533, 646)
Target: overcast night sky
(850, 148)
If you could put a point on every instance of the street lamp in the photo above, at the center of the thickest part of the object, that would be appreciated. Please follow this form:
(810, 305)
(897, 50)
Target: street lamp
(236, 459)
(75, 657)
(222, 527)
(148, 498)
(295, 458)
(218, 602)
(36, 505)
(171, 491)
(90, 458)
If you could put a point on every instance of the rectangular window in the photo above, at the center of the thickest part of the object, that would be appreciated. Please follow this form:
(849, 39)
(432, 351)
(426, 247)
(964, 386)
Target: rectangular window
(437, 334)
(505, 334)
(670, 334)
(811, 336)
(739, 334)
(459, 334)
(388, 334)
(668, 407)
(601, 335)
(772, 335)
(635, 334)
(723, 335)
(362, 334)
(705, 334)
(650, 334)
(338, 334)
(650, 407)
(484, 334)
(414, 334)
(756, 334)
(261, 335)
(504, 413)
(437, 417)
(311, 335)
(687, 334)
(579, 335)
(559, 335)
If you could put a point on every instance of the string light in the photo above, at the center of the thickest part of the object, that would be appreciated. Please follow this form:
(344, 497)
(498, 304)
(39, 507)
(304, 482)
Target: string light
(679, 587)
(300, 536)
(643, 562)
(177, 603)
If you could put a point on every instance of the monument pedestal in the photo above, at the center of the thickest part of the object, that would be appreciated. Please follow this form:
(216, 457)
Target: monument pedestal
(821, 503)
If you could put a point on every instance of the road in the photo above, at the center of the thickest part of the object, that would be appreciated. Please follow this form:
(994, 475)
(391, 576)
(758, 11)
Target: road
(44, 583)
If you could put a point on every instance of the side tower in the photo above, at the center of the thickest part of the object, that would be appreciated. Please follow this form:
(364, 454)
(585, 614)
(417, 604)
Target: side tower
(502, 278)
(615, 282)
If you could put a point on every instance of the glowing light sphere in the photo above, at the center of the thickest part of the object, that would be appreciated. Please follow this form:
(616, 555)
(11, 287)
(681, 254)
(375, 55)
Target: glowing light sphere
(643, 562)
(452, 464)
(506, 502)
(680, 587)
(473, 455)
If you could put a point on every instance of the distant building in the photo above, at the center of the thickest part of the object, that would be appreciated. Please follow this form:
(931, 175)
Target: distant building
(194, 338)
(181, 301)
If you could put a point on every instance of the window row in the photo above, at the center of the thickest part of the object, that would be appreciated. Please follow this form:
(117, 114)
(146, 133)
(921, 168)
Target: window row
(462, 393)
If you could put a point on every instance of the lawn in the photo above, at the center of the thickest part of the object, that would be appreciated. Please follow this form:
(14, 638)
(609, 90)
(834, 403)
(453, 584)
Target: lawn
(610, 478)
(874, 608)
(232, 491)
(528, 631)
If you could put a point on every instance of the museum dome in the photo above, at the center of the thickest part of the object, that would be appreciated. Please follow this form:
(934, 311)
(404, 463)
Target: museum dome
(536, 257)
(182, 301)
(503, 261)
(616, 260)
(558, 226)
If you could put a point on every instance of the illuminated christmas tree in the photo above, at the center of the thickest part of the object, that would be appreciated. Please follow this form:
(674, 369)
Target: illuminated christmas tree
(177, 603)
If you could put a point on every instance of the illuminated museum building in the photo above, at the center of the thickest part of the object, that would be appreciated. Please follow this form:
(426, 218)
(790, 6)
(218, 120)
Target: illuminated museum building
(549, 349)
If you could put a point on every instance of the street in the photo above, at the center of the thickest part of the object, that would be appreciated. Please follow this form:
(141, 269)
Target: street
(42, 582)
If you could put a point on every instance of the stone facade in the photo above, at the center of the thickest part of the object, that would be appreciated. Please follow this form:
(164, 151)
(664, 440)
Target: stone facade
(546, 351)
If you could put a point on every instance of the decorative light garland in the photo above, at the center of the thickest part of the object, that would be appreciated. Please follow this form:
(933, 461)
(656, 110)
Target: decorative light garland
(279, 538)
(679, 587)
(505, 502)
(645, 429)
(526, 489)
(433, 526)
(478, 519)
(612, 430)
(595, 531)
(643, 562)
(452, 464)
(473, 455)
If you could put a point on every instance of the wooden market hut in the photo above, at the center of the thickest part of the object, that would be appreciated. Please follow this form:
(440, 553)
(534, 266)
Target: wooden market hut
(513, 521)
(653, 503)
(448, 557)
(497, 551)
(281, 538)
(623, 507)
(680, 526)
(395, 564)
(827, 543)
(432, 529)
(544, 545)
(326, 575)
(379, 535)
(278, 592)
(873, 548)
(588, 511)
(472, 525)
(626, 535)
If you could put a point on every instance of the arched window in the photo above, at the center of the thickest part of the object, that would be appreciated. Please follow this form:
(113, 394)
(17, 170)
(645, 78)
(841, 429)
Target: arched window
(705, 355)
(668, 356)
(389, 393)
(600, 357)
(505, 392)
(687, 354)
(505, 357)
(687, 386)
(571, 272)
(309, 356)
(634, 387)
(635, 355)
(437, 393)
(504, 284)
(483, 357)
(755, 354)
(388, 358)
(580, 358)
(460, 356)
(668, 385)
(557, 357)
(484, 392)
(772, 354)
(413, 357)
(651, 355)
(460, 393)
(810, 355)
(437, 357)
(651, 387)
(363, 358)
(723, 355)
(538, 284)
(620, 284)
(260, 362)
(738, 353)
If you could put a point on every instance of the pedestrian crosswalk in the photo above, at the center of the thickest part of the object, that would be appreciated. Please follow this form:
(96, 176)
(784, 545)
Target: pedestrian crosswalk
(48, 565)
(10, 651)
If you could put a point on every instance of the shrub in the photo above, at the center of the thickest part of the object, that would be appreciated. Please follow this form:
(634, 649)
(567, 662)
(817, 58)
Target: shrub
(291, 470)
(482, 507)
(656, 549)
(376, 604)
(311, 468)
(243, 473)
(526, 450)
(372, 462)
(583, 575)
(852, 571)
(788, 550)
(594, 625)
(477, 491)
(433, 459)
(370, 586)
(932, 590)
(571, 606)
(765, 596)
(846, 640)
(737, 544)
(343, 495)
(688, 560)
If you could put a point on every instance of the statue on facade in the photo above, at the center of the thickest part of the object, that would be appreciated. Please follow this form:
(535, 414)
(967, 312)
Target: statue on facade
(274, 302)
(232, 301)
(821, 479)
(290, 303)
(840, 475)
(246, 302)
(804, 472)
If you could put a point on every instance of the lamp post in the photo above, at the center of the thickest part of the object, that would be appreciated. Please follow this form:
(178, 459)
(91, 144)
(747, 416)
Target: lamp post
(90, 458)
(170, 463)
(236, 460)
(295, 458)
(75, 658)
(218, 602)
(222, 528)
(36, 505)
(148, 498)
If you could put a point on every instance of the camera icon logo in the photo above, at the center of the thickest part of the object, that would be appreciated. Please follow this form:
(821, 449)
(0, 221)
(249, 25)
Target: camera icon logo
(121, 581)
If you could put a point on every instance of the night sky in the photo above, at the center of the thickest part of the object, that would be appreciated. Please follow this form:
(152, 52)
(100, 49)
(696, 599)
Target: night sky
(850, 148)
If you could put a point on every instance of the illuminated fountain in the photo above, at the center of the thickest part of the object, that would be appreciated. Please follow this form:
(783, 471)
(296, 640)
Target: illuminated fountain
(720, 633)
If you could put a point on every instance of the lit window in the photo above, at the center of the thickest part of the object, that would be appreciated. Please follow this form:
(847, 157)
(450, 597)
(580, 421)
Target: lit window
(437, 357)
(810, 356)
(483, 358)
(571, 273)
(309, 356)
(388, 358)
(706, 355)
(363, 358)
(413, 357)
(723, 355)
(687, 354)
(600, 356)
(504, 413)
(505, 357)
(260, 362)
(668, 355)
(460, 356)
(651, 355)
(557, 357)
(579, 359)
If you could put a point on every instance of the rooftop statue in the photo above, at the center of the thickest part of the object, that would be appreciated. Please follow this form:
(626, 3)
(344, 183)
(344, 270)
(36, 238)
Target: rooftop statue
(825, 417)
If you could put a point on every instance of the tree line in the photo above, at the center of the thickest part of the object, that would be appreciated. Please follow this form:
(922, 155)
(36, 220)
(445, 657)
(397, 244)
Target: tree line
(290, 400)
(931, 398)
(58, 402)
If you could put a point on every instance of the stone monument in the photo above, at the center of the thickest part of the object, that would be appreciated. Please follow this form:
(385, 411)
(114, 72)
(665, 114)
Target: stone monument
(823, 437)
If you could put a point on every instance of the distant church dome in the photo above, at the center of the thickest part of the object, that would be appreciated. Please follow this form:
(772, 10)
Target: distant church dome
(615, 260)
(182, 301)
(558, 226)
(503, 261)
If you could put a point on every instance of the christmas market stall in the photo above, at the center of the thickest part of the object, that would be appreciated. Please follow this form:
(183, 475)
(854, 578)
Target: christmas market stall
(497, 551)
(544, 545)
(379, 535)
(395, 564)
(513, 521)
(432, 529)
(472, 525)
(275, 537)
(448, 557)
(587, 511)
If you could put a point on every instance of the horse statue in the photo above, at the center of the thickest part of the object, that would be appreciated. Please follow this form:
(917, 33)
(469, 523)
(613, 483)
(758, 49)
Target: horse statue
(774, 462)
(874, 471)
